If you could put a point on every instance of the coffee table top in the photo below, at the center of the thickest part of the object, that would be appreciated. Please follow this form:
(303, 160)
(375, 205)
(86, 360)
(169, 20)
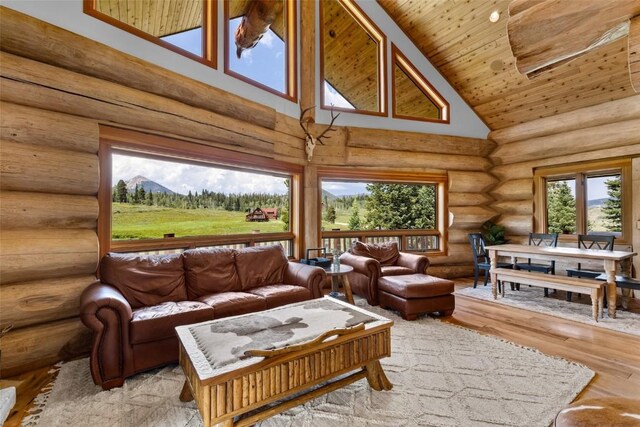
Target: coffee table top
(217, 347)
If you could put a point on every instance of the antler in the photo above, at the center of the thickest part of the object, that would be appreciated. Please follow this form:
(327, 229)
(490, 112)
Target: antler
(329, 128)
(305, 128)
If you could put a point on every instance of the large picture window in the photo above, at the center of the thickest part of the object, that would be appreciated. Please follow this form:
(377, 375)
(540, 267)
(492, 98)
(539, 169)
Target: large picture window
(379, 207)
(155, 200)
(584, 199)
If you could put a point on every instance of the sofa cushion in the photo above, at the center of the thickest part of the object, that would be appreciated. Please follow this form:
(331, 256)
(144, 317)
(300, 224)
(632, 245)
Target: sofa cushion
(227, 304)
(158, 322)
(277, 295)
(209, 271)
(145, 280)
(395, 270)
(416, 286)
(385, 253)
(261, 266)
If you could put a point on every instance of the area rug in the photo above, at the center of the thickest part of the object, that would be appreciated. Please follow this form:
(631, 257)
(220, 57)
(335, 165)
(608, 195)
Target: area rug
(443, 375)
(532, 299)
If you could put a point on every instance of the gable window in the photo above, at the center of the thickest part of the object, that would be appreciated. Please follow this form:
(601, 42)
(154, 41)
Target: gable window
(414, 98)
(379, 207)
(352, 60)
(591, 198)
(156, 197)
(266, 60)
(187, 27)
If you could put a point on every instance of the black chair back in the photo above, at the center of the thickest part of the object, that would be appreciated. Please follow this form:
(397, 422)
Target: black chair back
(477, 245)
(543, 239)
(594, 241)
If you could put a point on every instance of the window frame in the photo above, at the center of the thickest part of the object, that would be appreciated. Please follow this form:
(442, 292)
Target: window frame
(209, 31)
(160, 147)
(393, 177)
(399, 59)
(580, 172)
(376, 34)
(291, 53)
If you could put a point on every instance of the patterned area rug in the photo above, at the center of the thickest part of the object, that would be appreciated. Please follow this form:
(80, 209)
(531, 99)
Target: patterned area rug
(443, 375)
(532, 299)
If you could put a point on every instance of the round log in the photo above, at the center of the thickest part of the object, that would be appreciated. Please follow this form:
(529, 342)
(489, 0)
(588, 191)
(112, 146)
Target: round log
(573, 142)
(459, 235)
(458, 253)
(609, 112)
(50, 129)
(27, 255)
(517, 224)
(34, 347)
(519, 189)
(31, 303)
(473, 182)
(520, 207)
(393, 158)
(42, 210)
(451, 271)
(468, 199)
(466, 217)
(28, 167)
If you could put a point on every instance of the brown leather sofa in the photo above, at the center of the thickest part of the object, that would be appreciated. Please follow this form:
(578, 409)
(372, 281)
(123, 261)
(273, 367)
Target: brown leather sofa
(370, 262)
(141, 299)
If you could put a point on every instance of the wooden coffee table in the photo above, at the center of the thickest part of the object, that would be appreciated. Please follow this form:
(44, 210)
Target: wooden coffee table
(257, 362)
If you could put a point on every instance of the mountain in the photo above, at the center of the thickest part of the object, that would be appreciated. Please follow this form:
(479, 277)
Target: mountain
(147, 184)
(597, 202)
(330, 196)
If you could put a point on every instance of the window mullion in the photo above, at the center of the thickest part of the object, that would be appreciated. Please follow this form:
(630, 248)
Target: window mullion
(581, 204)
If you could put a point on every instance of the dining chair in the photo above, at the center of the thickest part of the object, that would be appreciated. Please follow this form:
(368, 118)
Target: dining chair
(549, 240)
(590, 241)
(481, 259)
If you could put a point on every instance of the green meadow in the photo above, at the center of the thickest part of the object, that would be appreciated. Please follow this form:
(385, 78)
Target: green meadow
(134, 221)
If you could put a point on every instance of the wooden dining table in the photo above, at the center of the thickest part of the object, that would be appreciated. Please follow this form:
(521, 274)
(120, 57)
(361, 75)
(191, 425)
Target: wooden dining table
(611, 260)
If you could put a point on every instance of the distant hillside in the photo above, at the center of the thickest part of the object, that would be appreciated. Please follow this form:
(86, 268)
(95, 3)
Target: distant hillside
(147, 185)
(330, 196)
(597, 202)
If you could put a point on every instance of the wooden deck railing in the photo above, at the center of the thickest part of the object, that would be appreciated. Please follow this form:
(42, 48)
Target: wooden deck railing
(408, 240)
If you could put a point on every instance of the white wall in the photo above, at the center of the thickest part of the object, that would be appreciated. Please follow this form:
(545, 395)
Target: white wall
(68, 14)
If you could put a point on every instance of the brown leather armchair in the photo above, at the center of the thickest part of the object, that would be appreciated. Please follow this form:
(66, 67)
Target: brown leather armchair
(133, 312)
(370, 262)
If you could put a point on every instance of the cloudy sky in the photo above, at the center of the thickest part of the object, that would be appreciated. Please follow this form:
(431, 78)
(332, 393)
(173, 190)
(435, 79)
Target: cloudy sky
(182, 178)
(344, 188)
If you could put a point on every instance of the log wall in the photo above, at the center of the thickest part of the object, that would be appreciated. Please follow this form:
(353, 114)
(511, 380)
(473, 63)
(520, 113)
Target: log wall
(606, 131)
(57, 88)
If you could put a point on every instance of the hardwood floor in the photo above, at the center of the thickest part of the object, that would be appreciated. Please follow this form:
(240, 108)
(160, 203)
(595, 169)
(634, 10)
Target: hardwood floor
(614, 356)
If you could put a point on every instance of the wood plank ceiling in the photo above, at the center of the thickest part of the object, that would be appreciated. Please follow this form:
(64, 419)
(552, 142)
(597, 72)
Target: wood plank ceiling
(474, 55)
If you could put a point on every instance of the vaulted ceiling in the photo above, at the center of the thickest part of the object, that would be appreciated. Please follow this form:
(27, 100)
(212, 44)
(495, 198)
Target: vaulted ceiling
(474, 55)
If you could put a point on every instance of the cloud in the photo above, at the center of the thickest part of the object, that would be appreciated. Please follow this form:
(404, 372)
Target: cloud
(332, 97)
(338, 188)
(267, 39)
(182, 178)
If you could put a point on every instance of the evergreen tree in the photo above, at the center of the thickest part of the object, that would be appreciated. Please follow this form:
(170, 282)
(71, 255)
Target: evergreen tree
(149, 198)
(561, 208)
(284, 217)
(331, 215)
(354, 219)
(612, 209)
(400, 206)
(141, 194)
(121, 192)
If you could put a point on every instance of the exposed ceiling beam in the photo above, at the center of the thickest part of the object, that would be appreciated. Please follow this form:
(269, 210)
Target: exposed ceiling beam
(544, 34)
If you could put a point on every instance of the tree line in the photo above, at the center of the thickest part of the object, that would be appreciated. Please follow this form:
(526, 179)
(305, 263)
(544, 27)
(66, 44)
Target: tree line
(204, 200)
(388, 207)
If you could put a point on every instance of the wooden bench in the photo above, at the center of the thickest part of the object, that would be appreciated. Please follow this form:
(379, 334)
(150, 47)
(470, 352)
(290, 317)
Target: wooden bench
(593, 288)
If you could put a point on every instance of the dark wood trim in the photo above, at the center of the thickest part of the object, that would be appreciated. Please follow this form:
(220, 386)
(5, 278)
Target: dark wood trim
(159, 147)
(291, 53)
(413, 41)
(209, 33)
(350, 6)
(397, 53)
(352, 174)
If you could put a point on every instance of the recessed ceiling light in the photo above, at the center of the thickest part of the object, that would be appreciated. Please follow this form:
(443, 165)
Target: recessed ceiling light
(495, 16)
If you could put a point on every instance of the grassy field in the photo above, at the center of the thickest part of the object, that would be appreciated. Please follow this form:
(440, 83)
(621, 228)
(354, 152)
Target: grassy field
(151, 222)
(342, 219)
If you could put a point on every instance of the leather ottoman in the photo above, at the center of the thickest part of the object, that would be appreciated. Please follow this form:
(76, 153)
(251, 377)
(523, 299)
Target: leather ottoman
(415, 294)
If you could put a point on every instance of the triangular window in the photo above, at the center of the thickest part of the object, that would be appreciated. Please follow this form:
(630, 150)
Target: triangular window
(414, 98)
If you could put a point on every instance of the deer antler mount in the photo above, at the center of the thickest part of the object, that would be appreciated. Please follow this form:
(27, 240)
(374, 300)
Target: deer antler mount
(311, 141)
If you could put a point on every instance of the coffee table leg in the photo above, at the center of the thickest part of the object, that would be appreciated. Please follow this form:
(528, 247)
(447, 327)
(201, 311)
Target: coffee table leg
(347, 289)
(185, 394)
(376, 377)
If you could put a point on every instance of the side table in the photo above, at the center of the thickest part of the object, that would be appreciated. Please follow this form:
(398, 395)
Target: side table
(336, 273)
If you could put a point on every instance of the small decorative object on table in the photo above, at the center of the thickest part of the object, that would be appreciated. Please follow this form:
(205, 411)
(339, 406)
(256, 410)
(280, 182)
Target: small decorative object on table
(336, 258)
(320, 261)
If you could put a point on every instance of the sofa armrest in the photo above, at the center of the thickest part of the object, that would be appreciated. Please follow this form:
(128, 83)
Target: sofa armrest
(368, 266)
(105, 311)
(310, 277)
(417, 263)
